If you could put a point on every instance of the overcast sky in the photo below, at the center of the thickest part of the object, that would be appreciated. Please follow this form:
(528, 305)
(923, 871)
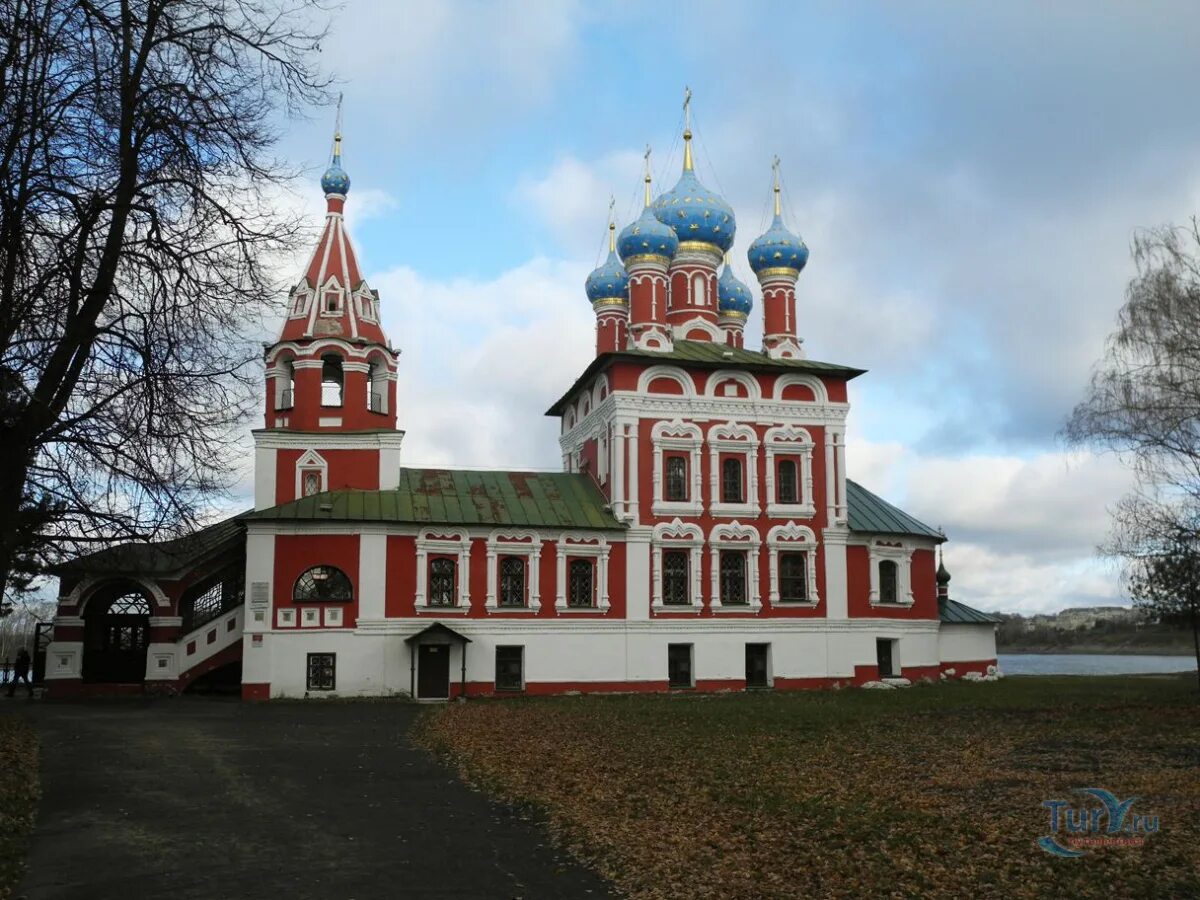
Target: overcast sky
(968, 180)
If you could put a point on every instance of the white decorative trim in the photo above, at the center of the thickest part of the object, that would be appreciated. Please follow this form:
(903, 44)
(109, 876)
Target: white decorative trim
(309, 461)
(782, 346)
(330, 422)
(443, 541)
(677, 435)
(315, 348)
(310, 617)
(285, 618)
(734, 536)
(83, 592)
(587, 544)
(811, 382)
(680, 329)
(512, 543)
(275, 439)
(790, 440)
(677, 535)
(733, 437)
(745, 379)
(793, 537)
(333, 617)
(902, 556)
(672, 373)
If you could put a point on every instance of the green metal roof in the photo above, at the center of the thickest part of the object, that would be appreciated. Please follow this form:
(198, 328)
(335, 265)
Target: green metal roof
(163, 557)
(450, 497)
(871, 513)
(706, 355)
(954, 613)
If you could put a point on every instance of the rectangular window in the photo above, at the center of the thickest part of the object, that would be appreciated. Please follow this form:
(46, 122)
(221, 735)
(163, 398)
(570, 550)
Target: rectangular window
(679, 665)
(580, 593)
(676, 478)
(441, 581)
(793, 576)
(512, 581)
(731, 480)
(733, 577)
(510, 668)
(675, 565)
(322, 671)
(787, 486)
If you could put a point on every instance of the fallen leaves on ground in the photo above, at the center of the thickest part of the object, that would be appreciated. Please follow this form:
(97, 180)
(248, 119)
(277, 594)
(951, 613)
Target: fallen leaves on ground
(931, 792)
(18, 797)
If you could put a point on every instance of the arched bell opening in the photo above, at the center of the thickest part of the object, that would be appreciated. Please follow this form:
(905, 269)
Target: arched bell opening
(116, 635)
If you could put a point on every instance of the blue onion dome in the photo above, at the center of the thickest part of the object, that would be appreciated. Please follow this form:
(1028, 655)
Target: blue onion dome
(693, 211)
(647, 237)
(733, 297)
(777, 248)
(609, 281)
(335, 180)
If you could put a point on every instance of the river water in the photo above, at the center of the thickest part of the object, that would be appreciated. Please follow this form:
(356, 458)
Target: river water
(1092, 664)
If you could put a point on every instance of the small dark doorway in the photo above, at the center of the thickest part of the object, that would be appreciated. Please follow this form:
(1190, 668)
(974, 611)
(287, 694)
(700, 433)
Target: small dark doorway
(679, 665)
(756, 665)
(433, 671)
(116, 635)
(884, 655)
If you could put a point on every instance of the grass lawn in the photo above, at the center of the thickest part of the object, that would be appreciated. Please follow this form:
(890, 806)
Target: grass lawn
(18, 796)
(926, 792)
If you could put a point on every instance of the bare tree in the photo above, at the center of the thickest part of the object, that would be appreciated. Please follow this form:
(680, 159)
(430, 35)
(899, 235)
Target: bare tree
(137, 186)
(1143, 403)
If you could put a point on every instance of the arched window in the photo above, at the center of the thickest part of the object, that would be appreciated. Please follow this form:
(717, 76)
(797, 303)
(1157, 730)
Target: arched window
(323, 584)
(888, 576)
(699, 291)
(512, 581)
(676, 478)
(788, 492)
(581, 583)
(131, 604)
(731, 480)
(441, 581)
(377, 386)
(331, 380)
(733, 577)
(285, 383)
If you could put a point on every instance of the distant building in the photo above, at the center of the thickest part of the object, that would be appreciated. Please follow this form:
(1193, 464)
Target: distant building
(703, 533)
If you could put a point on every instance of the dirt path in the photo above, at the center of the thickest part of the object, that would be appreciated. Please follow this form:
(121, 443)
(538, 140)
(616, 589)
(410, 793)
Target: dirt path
(212, 799)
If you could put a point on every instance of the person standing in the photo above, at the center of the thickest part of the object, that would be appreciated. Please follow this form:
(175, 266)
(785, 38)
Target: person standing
(21, 673)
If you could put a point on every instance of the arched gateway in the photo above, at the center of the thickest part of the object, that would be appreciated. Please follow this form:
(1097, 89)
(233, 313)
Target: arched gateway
(116, 636)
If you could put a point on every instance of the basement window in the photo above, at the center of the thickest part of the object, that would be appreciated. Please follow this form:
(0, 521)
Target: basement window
(322, 672)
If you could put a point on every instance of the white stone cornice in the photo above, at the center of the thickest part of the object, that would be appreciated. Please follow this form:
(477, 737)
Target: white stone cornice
(282, 439)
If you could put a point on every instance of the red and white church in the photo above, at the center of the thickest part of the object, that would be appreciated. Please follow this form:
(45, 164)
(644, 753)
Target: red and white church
(703, 534)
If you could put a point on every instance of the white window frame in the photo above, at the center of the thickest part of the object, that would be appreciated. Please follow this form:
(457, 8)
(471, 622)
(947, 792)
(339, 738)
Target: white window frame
(444, 543)
(583, 544)
(793, 538)
(677, 435)
(311, 460)
(790, 441)
(298, 303)
(733, 438)
(366, 304)
(677, 535)
(879, 551)
(527, 544)
(734, 536)
(332, 287)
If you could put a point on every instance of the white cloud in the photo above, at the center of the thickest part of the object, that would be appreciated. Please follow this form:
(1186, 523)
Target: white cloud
(482, 360)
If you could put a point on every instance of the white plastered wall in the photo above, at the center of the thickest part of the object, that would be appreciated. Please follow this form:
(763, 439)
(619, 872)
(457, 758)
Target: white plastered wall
(966, 643)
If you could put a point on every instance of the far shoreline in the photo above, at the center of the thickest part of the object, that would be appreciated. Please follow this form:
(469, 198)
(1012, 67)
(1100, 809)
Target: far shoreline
(1091, 650)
